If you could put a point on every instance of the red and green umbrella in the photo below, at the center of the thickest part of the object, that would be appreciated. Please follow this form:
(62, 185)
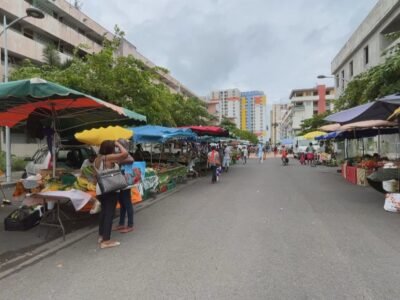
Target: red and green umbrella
(70, 109)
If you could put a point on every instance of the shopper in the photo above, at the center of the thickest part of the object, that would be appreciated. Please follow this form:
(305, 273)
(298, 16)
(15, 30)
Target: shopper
(213, 162)
(227, 158)
(108, 159)
(310, 154)
(245, 155)
(124, 199)
(260, 153)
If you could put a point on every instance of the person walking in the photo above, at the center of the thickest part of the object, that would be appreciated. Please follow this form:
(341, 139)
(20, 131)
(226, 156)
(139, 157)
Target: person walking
(124, 199)
(245, 155)
(108, 159)
(213, 162)
(275, 150)
(227, 158)
(260, 153)
(310, 154)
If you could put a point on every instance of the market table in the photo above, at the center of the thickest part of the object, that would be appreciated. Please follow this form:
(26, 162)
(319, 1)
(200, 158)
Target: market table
(52, 217)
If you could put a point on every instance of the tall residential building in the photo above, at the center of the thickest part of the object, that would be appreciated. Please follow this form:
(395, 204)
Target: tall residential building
(369, 45)
(225, 103)
(304, 104)
(67, 28)
(277, 112)
(253, 113)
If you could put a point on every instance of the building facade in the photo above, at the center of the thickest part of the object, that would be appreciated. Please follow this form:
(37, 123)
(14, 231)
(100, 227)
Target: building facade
(276, 115)
(304, 104)
(225, 104)
(253, 113)
(369, 45)
(68, 29)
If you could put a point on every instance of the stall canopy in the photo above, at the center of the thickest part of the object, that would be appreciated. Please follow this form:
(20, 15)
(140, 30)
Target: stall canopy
(329, 136)
(377, 110)
(287, 141)
(357, 134)
(313, 134)
(330, 127)
(96, 136)
(24, 100)
(209, 130)
(367, 124)
(160, 134)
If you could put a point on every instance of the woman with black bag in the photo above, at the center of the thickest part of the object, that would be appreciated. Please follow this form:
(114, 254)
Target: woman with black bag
(106, 162)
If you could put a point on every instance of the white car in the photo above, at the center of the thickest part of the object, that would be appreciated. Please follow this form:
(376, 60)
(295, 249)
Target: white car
(68, 157)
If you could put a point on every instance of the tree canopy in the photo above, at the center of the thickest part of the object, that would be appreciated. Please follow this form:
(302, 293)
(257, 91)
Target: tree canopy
(242, 134)
(376, 82)
(313, 123)
(122, 80)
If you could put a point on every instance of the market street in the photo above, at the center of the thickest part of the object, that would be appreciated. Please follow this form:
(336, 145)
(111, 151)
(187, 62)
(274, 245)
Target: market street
(263, 232)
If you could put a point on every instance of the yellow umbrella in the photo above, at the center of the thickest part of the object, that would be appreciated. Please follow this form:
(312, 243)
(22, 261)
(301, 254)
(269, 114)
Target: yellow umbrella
(313, 134)
(394, 115)
(96, 136)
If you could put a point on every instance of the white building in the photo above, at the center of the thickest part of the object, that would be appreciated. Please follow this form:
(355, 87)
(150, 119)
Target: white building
(277, 112)
(226, 103)
(67, 28)
(369, 45)
(304, 104)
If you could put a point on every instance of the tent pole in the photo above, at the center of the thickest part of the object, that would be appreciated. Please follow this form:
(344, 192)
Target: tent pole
(379, 141)
(151, 153)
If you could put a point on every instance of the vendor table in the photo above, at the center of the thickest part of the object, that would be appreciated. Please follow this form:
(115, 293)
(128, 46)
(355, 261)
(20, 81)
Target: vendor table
(52, 217)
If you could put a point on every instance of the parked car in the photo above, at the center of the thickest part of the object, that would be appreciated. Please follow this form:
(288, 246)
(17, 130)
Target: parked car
(68, 157)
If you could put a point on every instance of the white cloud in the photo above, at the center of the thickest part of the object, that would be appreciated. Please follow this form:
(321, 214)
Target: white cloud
(270, 45)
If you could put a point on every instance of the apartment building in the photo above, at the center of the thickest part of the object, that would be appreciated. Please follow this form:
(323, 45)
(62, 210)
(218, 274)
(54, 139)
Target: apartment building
(225, 103)
(253, 113)
(276, 114)
(369, 45)
(67, 28)
(304, 104)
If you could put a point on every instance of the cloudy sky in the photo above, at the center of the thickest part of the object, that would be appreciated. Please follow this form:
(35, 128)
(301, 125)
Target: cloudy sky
(269, 45)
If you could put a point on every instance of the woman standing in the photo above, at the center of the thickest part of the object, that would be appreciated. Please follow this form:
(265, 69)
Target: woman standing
(125, 194)
(213, 161)
(108, 159)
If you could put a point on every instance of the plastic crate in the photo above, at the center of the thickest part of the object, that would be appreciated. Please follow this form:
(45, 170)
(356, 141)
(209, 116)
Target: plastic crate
(21, 224)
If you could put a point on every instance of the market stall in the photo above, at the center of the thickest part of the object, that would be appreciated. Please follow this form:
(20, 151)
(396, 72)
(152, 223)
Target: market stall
(167, 166)
(55, 111)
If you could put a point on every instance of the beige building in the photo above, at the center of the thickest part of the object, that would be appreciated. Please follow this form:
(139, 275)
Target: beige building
(276, 115)
(67, 28)
(369, 45)
(225, 103)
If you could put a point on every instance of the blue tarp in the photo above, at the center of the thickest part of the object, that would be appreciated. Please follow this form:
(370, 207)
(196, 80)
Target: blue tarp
(329, 136)
(160, 134)
(287, 142)
(377, 110)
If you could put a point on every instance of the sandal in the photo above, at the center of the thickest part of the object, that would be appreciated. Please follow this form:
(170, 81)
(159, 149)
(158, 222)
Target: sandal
(117, 228)
(109, 244)
(126, 229)
(100, 240)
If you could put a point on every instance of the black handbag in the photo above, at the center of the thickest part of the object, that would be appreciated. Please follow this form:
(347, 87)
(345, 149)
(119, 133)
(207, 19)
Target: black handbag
(110, 180)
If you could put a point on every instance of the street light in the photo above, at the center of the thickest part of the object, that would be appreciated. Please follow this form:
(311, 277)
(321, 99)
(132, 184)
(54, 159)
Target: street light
(30, 12)
(324, 76)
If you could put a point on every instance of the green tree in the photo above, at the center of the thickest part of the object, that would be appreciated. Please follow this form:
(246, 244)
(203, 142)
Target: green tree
(313, 123)
(122, 80)
(51, 56)
(376, 82)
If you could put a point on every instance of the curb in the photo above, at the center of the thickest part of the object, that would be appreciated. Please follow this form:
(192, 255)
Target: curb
(16, 264)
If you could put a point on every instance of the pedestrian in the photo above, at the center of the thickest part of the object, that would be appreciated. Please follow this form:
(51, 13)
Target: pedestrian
(227, 158)
(310, 154)
(125, 198)
(265, 152)
(284, 156)
(275, 150)
(108, 159)
(245, 154)
(260, 153)
(213, 162)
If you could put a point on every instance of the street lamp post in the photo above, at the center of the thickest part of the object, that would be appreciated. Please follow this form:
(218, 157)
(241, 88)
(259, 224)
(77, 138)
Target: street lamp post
(30, 12)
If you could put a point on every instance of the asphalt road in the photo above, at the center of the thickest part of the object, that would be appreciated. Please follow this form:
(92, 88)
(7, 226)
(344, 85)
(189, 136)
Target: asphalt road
(263, 232)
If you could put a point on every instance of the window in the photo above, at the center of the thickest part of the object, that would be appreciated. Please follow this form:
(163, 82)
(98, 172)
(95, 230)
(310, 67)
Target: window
(351, 69)
(337, 80)
(342, 79)
(366, 55)
(55, 15)
(28, 33)
(315, 93)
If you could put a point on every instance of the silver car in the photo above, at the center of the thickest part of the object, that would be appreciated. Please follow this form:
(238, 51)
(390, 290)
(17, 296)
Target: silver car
(67, 157)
